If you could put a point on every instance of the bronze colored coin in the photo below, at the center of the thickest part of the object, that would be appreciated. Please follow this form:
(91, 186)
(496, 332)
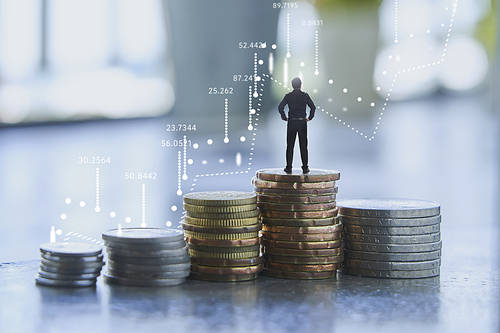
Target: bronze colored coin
(302, 237)
(301, 268)
(300, 275)
(223, 278)
(288, 199)
(291, 215)
(226, 262)
(231, 230)
(234, 249)
(224, 216)
(224, 255)
(297, 207)
(220, 198)
(303, 253)
(219, 209)
(223, 242)
(300, 222)
(214, 236)
(314, 175)
(221, 223)
(301, 245)
(307, 260)
(226, 270)
(295, 193)
(291, 185)
(304, 230)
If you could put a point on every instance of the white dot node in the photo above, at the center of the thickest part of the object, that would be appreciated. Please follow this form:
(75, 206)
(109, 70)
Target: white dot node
(67, 201)
(58, 232)
(179, 192)
(330, 81)
(250, 127)
(257, 78)
(330, 99)
(128, 219)
(190, 161)
(302, 64)
(316, 72)
(372, 104)
(82, 204)
(345, 90)
(168, 223)
(226, 140)
(173, 208)
(359, 99)
(384, 73)
(252, 111)
(112, 215)
(210, 141)
(221, 160)
(378, 88)
(243, 139)
(273, 46)
(261, 62)
(97, 209)
(288, 54)
(63, 216)
(195, 146)
(255, 94)
(315, 91)
(345, 109)
(184, 177)
(204, 162)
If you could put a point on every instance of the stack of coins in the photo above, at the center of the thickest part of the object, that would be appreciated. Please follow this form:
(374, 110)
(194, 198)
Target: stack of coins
(393, 238)
(146, 257)
(69, 264)
(301, 234)
(222, 232)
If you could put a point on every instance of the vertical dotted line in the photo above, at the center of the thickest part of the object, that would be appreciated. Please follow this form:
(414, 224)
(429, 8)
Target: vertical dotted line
(184, 157)
(396, 21)
(250, 125)
(226, 137)
(316, 52)
(143, 206)
(97, 189)
(288, 54)
(179, 190)
(255, 74)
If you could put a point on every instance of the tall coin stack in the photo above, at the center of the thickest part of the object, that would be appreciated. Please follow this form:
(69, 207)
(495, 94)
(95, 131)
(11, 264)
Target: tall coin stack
(301, 234)
(393, 238)
(222, 232)
(69, 264)
(146, 257)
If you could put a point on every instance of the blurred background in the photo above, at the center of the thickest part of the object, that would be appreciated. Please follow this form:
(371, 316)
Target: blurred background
(110, 110)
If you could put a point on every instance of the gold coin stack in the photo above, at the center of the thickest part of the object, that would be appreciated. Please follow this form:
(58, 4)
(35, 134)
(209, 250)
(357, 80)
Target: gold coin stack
(301, 234)
(222, 232)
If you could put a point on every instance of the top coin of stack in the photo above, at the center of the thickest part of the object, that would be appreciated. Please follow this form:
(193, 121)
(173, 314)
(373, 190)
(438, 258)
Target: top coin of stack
(146, 257)
(391, 238)
(222, 231)
(69, 264)
(301, 235)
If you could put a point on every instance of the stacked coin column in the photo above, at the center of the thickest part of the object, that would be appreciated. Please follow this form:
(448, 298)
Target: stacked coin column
(222, 232)
(146, 257)
(69, 264)
(391, 238)
(301, 235)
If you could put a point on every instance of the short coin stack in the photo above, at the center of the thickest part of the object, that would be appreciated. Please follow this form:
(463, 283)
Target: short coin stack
(69, 264)
(301, 234)
(392, 238)
(146, 257)
(222, 231)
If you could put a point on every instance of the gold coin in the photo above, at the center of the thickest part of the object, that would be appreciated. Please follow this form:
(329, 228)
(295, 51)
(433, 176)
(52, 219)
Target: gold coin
(300, 275)
(301, 268)
(233, 249)
(224, 255)
(290, 215)
(221, 223)
(220, 198)
(291, 185)
(226, 270)
(227, 262)
(302, 237)
(314, 175)
(230, 230)
(307, 260)
(288, 199)
(301, 245)
(294, 193)
(224, 216)
(303, 253)
(223, 278)
(213, 236)
(297, 207)
(303, 230)
(300, 222)
(223, 242)
(219, 209)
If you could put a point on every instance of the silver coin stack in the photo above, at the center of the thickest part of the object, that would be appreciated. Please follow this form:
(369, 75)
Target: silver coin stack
(146, 257)
(391, 238)
(66, 264)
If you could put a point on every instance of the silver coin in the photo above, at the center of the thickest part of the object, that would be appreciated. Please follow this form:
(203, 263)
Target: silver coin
(390, 222)
(116, 265)
(71, 249)
(427, 247)
(72, 265)
(148, 275)
(148, 253)
(65, 283)
(145, 247)
(59, 276)
(142, 283)
(149, 260)
(394, 231)
(220, 198)
(392, 265)
(72, 259)
(379, 256)
(385, 239)
(392, 274)
(72, 271)
(143, 235)
(395, 208)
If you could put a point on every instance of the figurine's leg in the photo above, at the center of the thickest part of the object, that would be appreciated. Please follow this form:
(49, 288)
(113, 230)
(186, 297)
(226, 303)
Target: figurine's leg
(303, 144)
(291, 134)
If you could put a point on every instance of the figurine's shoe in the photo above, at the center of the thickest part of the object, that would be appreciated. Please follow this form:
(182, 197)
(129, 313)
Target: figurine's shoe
(305, 170)
(287, 170)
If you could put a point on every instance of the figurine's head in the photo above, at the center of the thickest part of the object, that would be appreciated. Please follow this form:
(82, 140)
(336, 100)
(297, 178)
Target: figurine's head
(296, 83)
